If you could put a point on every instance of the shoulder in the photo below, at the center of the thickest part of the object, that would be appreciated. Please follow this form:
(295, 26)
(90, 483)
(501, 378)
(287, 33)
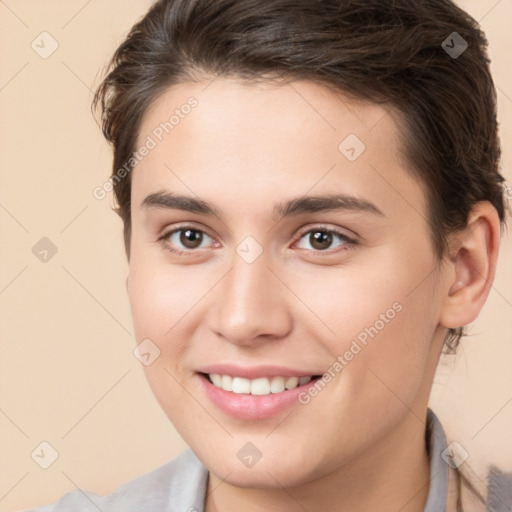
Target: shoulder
(455, 486)
(499, 490)
(472, 493)
(494, 495)
(177, 485)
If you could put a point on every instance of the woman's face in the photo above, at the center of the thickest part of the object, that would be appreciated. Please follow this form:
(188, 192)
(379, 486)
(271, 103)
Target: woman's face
(279, 279)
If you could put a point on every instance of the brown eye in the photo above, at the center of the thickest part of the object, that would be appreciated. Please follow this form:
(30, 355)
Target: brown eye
(190, 238)
(184, 240)
(321, 239)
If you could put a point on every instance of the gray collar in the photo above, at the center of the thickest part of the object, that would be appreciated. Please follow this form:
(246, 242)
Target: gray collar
(436, 444)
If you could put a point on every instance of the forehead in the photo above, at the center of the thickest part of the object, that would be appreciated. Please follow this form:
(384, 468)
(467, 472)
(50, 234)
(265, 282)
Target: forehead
(244, 144)
(227, 104)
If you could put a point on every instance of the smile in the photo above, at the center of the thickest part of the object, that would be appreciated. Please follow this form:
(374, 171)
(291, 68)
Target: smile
(260, 386)
(253, 393)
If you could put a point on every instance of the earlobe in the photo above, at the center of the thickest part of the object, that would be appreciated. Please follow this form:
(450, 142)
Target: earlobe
(473, 265)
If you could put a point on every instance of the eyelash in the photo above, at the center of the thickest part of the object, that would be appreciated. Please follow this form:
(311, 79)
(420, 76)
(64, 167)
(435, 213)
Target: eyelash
(348, 244)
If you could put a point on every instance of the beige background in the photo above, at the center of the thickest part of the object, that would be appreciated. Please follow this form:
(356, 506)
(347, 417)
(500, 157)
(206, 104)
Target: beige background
(68, 375)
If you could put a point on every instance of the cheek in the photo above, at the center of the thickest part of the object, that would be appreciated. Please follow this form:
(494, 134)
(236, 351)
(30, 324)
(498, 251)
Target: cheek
(157, 304)
(379, 322)
(159, 298)
(164, 301)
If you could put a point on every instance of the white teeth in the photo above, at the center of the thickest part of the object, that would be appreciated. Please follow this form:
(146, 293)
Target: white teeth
(241, 385)
(277, 385)
(291, 382)
(226, 383)
(260, 386)
(216, 379)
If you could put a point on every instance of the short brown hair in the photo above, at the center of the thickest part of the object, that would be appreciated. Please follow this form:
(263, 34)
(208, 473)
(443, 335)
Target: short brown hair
(390, 52)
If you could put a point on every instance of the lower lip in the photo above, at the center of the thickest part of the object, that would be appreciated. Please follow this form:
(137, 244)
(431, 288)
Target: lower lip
(252, 407)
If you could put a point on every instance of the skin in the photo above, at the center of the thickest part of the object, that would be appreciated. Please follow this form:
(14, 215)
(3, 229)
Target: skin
(359, 444)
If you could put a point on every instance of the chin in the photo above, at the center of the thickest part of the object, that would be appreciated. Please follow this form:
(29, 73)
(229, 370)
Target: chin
(277, 467)
(262, 476)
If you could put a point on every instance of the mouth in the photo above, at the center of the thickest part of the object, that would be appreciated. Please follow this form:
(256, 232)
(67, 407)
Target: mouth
(256, 398)
(261, 386)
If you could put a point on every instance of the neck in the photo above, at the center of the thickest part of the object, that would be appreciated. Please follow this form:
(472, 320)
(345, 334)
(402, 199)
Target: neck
(392, 475)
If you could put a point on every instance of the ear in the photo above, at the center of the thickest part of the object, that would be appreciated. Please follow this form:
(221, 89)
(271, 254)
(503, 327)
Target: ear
(472, 266)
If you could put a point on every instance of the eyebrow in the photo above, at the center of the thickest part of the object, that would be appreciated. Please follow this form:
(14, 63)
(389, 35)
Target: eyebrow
(296, 206)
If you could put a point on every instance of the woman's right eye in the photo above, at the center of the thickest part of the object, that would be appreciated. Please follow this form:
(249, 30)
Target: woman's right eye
(184, 240)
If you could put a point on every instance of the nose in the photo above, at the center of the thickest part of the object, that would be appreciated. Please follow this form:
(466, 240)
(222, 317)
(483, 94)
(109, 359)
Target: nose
(249, 304)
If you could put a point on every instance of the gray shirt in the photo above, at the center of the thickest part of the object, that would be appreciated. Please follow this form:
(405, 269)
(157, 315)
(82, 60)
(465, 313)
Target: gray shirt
(180, 486)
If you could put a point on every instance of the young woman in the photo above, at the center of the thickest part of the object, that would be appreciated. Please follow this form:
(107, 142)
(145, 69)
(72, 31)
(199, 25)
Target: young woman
(312, 210)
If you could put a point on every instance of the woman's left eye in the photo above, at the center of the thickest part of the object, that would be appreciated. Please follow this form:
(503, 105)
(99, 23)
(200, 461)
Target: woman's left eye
(321, 239)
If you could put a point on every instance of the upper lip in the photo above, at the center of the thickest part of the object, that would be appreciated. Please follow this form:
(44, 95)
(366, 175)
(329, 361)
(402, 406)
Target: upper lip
(255, 372)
